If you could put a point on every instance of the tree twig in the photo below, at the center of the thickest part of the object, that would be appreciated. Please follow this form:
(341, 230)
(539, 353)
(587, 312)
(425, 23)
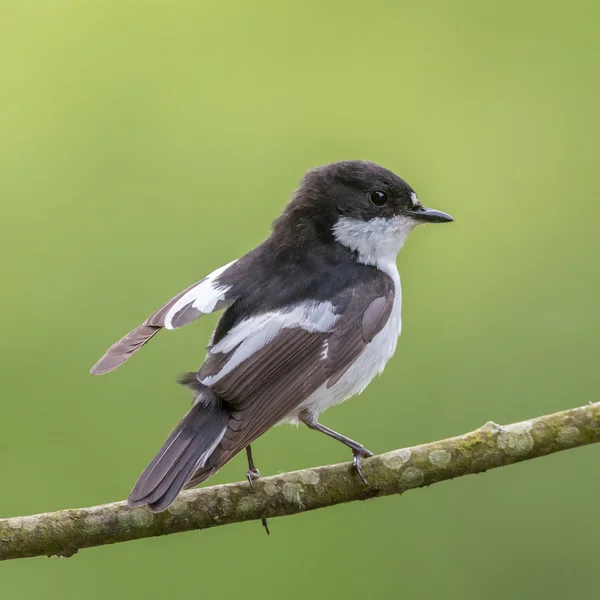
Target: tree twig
(64, 532)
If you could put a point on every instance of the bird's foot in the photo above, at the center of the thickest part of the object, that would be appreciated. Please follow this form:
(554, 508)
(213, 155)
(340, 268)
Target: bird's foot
(357, 456)
(251, 475)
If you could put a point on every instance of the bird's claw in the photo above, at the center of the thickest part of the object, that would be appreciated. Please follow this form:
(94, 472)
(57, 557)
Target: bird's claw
(357, 456)
(251, 475)
(266, 526)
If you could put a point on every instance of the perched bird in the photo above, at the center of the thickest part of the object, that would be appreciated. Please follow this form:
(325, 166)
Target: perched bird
(311, 316)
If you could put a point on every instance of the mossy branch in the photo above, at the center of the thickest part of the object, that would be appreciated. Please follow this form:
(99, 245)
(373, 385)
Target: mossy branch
(64, 532)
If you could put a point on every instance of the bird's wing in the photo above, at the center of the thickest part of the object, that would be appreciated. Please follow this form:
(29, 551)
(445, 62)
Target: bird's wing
(268, 364)
(205, 296)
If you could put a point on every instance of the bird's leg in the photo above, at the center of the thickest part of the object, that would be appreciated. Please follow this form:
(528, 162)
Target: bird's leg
(251, 474)
(358, 450)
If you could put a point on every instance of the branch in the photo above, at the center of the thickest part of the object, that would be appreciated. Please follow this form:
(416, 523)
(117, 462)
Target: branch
(64, 532)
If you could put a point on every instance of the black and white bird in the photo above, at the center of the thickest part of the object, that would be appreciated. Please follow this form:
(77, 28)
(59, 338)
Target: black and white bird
(312, 315)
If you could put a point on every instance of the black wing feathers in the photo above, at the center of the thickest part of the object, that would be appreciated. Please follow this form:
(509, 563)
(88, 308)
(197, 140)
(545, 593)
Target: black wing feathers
(209, 288)
(128, 345)
(276, 379)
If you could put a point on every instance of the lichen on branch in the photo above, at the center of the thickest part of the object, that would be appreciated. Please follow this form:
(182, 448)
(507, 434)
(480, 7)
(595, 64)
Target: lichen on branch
(64, 532)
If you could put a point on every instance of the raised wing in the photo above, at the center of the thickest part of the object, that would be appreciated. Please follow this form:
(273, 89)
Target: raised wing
(266, 366)
(205, 296)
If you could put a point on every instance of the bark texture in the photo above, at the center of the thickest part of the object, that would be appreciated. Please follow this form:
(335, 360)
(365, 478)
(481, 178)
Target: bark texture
(65, 532)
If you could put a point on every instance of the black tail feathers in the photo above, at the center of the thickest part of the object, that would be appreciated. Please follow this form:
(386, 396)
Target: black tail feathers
(185, 451)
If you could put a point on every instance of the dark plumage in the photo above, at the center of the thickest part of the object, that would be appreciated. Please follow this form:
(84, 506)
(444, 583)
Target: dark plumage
(302, 310)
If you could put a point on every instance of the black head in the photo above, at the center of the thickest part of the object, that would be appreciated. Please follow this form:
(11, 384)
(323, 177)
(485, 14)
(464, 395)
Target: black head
(355, 189)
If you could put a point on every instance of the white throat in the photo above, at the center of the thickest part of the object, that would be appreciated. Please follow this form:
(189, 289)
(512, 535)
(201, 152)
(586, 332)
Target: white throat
(377, 241)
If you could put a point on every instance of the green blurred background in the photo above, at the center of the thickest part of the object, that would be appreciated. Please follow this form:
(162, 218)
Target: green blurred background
(143, 144)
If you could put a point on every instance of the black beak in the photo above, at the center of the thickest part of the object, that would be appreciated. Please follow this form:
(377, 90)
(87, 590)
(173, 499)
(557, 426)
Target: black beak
(429, 215)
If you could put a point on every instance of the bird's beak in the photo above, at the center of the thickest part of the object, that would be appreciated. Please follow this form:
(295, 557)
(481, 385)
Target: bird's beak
(429, 215)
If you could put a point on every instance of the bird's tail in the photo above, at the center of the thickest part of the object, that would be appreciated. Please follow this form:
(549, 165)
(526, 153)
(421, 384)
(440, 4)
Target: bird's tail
(184, 452)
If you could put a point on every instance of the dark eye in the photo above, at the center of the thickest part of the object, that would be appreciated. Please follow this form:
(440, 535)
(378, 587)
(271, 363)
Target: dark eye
(378, 198)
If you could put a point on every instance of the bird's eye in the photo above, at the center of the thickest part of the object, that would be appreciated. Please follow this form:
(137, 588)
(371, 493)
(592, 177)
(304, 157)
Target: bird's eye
(378, 198)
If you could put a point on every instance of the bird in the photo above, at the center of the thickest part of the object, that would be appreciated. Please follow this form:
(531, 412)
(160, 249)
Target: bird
(311, 316)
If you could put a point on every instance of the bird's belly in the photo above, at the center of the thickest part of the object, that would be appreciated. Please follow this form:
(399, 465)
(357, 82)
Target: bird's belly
(369, 364)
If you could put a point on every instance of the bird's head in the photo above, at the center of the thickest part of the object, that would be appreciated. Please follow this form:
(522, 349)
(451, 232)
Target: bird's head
(361, 205)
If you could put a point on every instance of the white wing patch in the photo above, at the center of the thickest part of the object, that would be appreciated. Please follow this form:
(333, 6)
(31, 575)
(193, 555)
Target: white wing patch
(250, 335)
(204, 297)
